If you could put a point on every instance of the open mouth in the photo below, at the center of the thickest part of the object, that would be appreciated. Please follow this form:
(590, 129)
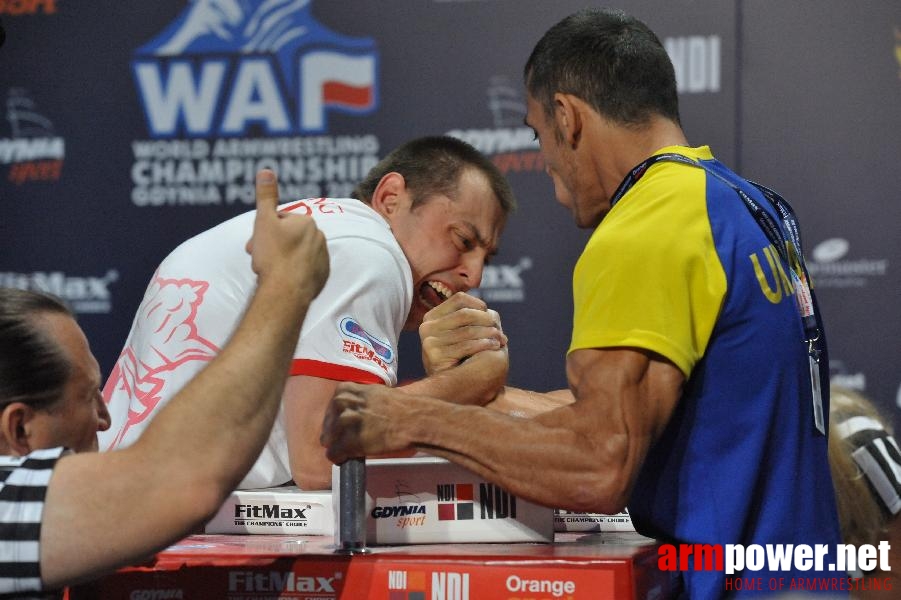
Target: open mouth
(433, 293)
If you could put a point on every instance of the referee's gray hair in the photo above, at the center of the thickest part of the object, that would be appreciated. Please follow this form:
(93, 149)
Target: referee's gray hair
(33, 367)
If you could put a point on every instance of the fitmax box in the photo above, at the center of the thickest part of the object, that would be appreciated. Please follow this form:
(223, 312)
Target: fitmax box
(282, 510)
(565, 520)
(428, 500)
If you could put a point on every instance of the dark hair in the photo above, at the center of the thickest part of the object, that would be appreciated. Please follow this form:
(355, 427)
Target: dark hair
(609, 59)
(432, 165)
(33, 367)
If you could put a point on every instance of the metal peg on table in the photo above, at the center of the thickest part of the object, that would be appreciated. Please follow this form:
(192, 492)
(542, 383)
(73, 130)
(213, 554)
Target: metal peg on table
(352, 516)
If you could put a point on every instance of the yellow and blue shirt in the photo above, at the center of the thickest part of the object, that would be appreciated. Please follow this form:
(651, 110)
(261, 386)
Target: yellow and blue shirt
(679, 267)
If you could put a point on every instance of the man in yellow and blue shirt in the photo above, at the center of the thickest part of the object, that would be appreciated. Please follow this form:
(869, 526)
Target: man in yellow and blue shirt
(697, 367)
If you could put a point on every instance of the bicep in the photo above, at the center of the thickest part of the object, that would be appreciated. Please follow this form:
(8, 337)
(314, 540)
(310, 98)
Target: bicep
(106, 510)
(305, 401)
(637, 388)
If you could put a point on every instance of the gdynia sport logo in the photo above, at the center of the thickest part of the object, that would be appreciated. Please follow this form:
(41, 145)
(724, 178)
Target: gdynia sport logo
(823, 567)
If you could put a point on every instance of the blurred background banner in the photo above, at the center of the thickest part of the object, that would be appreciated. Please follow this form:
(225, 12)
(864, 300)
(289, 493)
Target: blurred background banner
(130, 126)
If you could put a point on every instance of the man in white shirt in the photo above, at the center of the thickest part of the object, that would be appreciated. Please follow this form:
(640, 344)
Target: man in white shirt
(419, 230)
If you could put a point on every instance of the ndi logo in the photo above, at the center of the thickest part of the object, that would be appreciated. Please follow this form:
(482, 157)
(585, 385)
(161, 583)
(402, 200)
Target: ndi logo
(411, 585)
(456, 502)
(407, 585)
(696, 60)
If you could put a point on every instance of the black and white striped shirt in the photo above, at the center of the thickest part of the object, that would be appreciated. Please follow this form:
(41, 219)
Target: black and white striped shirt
(877, 454)
(23, 487)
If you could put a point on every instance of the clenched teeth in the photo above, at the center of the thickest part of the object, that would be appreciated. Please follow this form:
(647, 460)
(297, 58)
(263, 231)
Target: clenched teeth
(442, 289)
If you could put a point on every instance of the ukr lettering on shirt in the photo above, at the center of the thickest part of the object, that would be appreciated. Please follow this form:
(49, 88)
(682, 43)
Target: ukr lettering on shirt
(774, 282)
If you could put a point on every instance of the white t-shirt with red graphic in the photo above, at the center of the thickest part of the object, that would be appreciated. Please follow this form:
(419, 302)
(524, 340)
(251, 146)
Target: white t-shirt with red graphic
(200, 291)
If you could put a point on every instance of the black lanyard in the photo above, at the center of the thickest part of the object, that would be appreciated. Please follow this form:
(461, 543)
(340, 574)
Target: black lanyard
(766, 223)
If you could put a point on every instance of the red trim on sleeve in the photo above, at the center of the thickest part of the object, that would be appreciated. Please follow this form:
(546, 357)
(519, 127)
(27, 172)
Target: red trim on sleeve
(317, 368)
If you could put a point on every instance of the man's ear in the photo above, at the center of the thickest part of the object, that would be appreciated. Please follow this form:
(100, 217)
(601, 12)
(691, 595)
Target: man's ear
(15, 421)
(568, 117)
(389, 193)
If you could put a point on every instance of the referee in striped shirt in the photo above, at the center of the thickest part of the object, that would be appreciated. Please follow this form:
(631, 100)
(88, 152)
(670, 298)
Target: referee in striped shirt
(68, 514)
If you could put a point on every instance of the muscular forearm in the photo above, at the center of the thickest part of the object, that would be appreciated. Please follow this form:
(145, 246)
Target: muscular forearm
(544, 460)
(518, 402)
(585, 455)
(553, 459)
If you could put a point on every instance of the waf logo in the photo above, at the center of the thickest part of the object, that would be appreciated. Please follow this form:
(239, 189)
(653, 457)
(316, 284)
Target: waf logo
(164, 338)
(412, 585)
(456, 502)
(223, 67)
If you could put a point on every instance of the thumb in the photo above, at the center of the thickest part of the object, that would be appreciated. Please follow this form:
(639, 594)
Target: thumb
(266, 193)
(267, 203)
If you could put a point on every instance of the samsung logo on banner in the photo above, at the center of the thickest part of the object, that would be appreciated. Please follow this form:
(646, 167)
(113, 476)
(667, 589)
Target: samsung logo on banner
(697, 62)
(83, 294)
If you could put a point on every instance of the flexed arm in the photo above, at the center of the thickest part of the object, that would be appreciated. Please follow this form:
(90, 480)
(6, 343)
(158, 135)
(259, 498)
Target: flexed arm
(201, 444)
(582, 456)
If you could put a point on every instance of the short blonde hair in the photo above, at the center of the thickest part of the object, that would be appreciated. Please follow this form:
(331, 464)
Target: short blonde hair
(862, 517)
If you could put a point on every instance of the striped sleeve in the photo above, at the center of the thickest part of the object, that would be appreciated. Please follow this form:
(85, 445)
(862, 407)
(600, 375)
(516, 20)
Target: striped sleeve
(876, 453)
(23, 487)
